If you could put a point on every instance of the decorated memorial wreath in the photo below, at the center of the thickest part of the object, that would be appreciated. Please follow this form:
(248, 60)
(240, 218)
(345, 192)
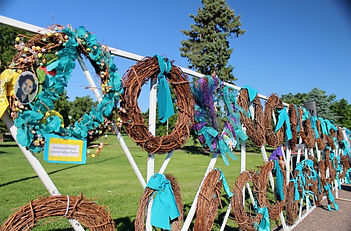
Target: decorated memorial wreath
(88, 213)
(213, 101)
(45, 62)
(165, 72)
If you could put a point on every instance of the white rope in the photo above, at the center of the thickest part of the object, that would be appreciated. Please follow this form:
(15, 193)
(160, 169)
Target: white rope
(67, 205)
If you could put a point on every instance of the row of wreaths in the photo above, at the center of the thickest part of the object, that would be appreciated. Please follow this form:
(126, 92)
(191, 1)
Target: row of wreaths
(310, 182)
(214, 111)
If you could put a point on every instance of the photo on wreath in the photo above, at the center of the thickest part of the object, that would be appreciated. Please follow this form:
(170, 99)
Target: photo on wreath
(26, 87)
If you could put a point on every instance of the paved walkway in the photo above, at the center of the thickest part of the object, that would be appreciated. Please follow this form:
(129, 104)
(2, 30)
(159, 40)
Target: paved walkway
(321, 219)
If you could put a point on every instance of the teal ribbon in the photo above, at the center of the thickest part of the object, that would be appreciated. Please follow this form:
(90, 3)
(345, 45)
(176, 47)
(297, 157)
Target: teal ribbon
(324, 126)
(164, 207)
(280, 180)
(331, 197)
(296, 192)
(347, 179)
(305, 115)
(314, 126)
(240, 134)
(284, 118)
(330, 125)
(298, 119)
(225, 183)
(164, 98)
(251, 91)
(264, 223)
(347, 149)
(225, 150)
(209, 133)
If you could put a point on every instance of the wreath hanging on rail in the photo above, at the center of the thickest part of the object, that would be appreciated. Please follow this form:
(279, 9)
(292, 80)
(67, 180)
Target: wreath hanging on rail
(45, 62)
(163, 70)
(88, 213)
(217, 121)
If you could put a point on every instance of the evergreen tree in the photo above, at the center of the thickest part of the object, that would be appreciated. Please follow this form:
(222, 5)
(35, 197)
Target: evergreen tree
(323, 103)
(207, 47)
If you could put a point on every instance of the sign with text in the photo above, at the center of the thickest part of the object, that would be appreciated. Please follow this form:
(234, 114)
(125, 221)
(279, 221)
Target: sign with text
(64, 150)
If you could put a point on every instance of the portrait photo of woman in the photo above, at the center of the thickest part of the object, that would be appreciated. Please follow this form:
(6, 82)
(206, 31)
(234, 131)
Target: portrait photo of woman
(26, 87)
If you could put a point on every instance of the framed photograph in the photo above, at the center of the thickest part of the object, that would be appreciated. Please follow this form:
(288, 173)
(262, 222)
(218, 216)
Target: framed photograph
(26, 87)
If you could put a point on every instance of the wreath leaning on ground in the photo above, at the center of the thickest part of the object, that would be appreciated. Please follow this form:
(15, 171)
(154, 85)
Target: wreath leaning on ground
(133, 80)
(51, 58)
(89, 214)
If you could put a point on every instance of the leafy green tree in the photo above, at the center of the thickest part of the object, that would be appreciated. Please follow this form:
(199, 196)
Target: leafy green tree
(79, 107)
(297, 99)
(343, 110)
(207, 47)
(7, 44)
(62, 105)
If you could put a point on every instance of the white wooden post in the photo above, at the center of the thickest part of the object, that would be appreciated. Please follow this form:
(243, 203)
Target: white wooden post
(193, 207)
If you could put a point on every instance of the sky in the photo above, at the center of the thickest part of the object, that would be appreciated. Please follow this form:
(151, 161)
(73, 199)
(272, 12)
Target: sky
(289, 46)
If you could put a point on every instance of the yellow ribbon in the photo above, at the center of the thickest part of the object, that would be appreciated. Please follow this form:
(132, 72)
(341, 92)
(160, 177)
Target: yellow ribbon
(53, 113)
(8, 79)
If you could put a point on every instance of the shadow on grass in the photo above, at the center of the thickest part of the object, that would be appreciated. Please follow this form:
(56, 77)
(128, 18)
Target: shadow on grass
(53, 172)
(124, 224)
(195, 150)
(8, 145)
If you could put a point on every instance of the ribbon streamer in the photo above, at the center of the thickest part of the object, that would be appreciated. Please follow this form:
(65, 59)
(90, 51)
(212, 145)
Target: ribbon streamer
(164, 98)
(284, 118)
(264, 223)
(164, 207)
(280, 179)
(225, 183)
(251, 91)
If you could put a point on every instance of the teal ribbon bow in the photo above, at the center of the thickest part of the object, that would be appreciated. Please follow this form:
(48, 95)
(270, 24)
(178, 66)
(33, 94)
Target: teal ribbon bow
(251, 91)
(164, 207)
(305, 115)
(209, 133)
(164, 98)
(330, 125)
(280, 180)
(284, 118)
(264, 223)
(331, 197)
(225, 183)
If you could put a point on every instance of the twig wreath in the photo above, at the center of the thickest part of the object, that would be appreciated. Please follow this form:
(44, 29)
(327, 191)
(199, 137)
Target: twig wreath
(246, 221)
(209, 198)
(88, 213)
(139, 223)
(274, 139)
(262, 182)
(254, 128)
(133, 80)
(217, 122)
(51, 58)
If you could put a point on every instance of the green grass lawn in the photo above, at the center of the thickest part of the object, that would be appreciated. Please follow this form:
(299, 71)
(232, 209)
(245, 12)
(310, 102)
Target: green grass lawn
(107, 179)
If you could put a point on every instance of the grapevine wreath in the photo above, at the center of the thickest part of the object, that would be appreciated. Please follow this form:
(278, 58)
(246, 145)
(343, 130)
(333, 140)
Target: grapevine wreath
(88, 213)
(149, 192)
(133, 80)
(50, 58)
(209, 198)
(255, 128)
